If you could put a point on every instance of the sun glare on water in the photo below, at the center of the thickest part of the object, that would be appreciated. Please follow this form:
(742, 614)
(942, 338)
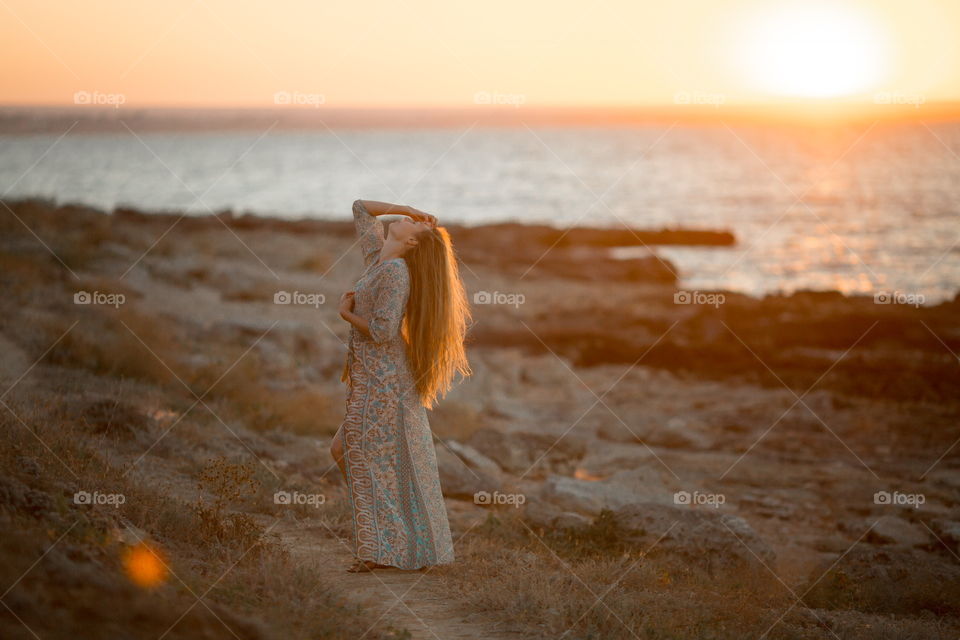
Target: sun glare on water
(812, 50)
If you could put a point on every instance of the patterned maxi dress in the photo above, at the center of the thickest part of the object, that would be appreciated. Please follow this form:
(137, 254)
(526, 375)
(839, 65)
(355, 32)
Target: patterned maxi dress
(399, 517)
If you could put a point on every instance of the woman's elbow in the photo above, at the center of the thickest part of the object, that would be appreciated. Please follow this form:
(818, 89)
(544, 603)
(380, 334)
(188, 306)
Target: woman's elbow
(382, 331)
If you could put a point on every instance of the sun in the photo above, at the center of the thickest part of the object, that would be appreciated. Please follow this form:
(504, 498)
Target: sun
(812, 50)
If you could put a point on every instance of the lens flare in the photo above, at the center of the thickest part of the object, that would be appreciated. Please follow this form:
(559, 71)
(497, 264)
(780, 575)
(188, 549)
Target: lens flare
(144, 565)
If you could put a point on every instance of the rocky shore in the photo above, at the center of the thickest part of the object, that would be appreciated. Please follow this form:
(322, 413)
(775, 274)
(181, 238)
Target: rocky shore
(810, 437)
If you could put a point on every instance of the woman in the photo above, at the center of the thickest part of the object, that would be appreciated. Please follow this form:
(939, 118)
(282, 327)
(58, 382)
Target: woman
(408, 317)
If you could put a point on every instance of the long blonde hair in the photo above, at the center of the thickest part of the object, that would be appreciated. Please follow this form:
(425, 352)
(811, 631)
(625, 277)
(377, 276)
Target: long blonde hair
(437, 314)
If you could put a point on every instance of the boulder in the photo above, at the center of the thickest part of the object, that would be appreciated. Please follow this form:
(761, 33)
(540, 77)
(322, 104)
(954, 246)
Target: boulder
(459, 481)
(768, 505)
(949, 478)
(474, 459)
(584, 497)
(673, 432)
(679, 433)
(532, 454)
(948, 533)
(706, 538)
(569, 520)
(18, 497)
(538, 512)
(896, 530)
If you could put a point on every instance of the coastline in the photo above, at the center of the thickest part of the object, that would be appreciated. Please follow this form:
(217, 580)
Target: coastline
(597, 395)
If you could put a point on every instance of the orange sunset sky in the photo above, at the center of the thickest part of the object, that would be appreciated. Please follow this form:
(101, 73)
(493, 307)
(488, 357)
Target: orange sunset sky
(424, 53)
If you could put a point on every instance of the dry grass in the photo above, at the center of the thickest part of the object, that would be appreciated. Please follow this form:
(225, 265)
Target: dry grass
(118, 342)
(249, 393)
(900, 591)
(590, 585)
(226, 482)
(247, 581)
(78, 421)
(314, 263)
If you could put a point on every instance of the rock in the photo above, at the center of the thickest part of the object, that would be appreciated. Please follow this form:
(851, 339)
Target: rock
(606, 458)
(582, 496)
(949, 478)
(19, 497)
(948, 533)
(547, 370)
(613, 431)
(706, 538)
(821, 402)
(830, 544)
(459, 481)
(768, 506)
(545, 252)
(896, 530)
(474, 459)
(569, 520)
(127, 533)
(532, 454)
(678, 433)
(674, 432)
(648, 481)
(540, 513)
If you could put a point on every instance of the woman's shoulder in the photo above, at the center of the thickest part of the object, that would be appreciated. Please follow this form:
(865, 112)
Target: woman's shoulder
(396, 267)
(396, 262)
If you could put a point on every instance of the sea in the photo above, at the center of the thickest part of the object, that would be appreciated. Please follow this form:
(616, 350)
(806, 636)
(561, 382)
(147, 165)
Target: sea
(862, 208)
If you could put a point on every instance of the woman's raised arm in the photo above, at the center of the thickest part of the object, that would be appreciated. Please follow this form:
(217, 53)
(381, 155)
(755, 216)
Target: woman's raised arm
(376, 208)
(369, 231)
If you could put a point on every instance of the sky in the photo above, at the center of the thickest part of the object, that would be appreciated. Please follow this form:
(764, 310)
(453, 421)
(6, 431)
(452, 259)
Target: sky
(221, 53)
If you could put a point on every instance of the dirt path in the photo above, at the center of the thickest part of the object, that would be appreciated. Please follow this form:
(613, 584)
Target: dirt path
(412, 600)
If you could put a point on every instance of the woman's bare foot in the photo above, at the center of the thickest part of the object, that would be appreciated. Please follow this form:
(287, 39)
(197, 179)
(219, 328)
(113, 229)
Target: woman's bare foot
(366, 566)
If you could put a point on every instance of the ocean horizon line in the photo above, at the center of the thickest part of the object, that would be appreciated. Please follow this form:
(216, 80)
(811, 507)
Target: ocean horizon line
(45, 118)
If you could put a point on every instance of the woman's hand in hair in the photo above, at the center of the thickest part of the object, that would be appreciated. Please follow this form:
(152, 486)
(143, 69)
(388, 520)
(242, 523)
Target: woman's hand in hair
(422, 216)
(377, 208)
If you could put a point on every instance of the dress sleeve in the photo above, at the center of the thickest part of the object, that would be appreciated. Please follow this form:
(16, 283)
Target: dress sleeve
(369, 231)
(393, 289)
